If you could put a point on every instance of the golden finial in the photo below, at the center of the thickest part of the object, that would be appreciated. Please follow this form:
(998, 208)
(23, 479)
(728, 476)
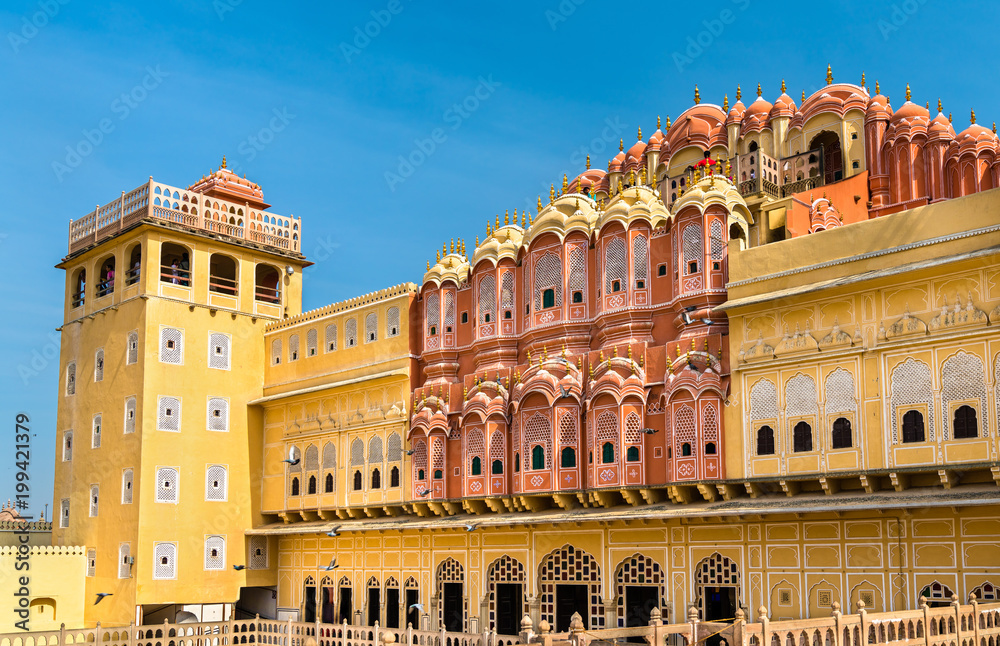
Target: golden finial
(489, 229)
(498, 372)
(706, 344)
(539, 362)
(631, 177)
(668, 123)
(783, 86)
(877, 89)
(642, 176)
(428, 265)
(453, 245)
(437, 256)
(725, 103)
(515, 215)
(506, 234)
(588, 162)
(545, 352)
(949, 117)
(591, 372)
(927, 105)
(729, 168)
(678, 350)
(506, 217)
(739, 93)
(972, 118)
(576, 204)
(223, 161)
(908, 95)
(940, 109)
(640, 133)
(657, 122)
(621, 187)
(697, 95)
(497, 225)
(609, 165)
(601, 355)
(615, 352)
(564, 351)
(697, 175)
(758, 90)
(552, 193)
(465, 393)
(630, 352)
(529, 357)
(565, 186)
(621, 145)
(829, 75)
(579, 362)
(994, 127)
(477, 241)
(862, 78)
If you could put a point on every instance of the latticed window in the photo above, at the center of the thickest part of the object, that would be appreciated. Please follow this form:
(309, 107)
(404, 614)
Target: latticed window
(164, 561)
(371, 327)
(802, 438)
(838, 392)
(64, 513)
(171, 345)
(215, 553)
(568, 430)
(375, 450)
(913, 426)
(538, 433)
(95, 494)
(394, 448)
(99, 365)
(640, 261)
(311, 341)
(357, 452)
(127, 487)
(474, 449)
(95, 438)
(276, 352)
(800, 396)
(449, 310)
(218, 351)
(419, 459)
(91, 561)
(607, 435)
(615, 266)
(710, 424)
(763, 400)
(632, 434)
(293, 347)
(488, 299)
(216, 482)
(718, 244)
(578, 273)
(437, 454)
(567, 564)
(331, 337)
(124, 560)
(765, 440)
(130, 414)
(166, 485)
(497, 452)
(450, 571)
(168, 415)
(67, 446)
(963, 378)
(218, 414)
(965, 423)
(432, 313)
(548, 278)
(351, 333)
(71, 378)
(717, 570)
(638, 570)
(311, 458)
(258, 552)
(911, 384)
(841, 436)
(391, 322)
(986, 592)
(507, 290)
(132, 348)
(693, 248)
(685, 430)
(330, 466)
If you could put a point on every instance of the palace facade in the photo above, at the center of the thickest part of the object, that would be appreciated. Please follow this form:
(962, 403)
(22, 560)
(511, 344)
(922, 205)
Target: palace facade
(755, 363)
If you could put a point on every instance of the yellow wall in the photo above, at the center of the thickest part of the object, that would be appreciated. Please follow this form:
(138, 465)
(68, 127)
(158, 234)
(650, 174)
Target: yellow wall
(55, 586)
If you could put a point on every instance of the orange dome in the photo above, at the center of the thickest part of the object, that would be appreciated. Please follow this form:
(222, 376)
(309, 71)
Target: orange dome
(975, 139)
(617, 161)
(783, 107)
(910, 110)
(940, 129)
(636, 155)
(736, 113)
(755, 118)
(702, 125)
(655, 141)
(588, 179)
(878, 107)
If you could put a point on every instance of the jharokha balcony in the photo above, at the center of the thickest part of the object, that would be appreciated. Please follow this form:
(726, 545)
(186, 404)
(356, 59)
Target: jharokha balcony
(200, 208)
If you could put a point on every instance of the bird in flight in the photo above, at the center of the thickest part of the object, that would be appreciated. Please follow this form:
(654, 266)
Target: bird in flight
(239, 567)
(291, 459)
(425, 492)
(101, 595)
(333, 532)
(649, 431)
(409, 452)
(564, 391)
(418, 606)
(469, 527)
(333, 565)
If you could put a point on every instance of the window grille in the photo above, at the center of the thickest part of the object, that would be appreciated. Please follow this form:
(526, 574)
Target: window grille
(130, 414)
(538, 432)
(394, 448)
(351, 333)
(127, 487)
(357, 452)
(910, 383)
(171, 345)
(124, 560)
(963, 377)
(166, 485)
(71, 378)
(615, 265)
(67, 446)
(99, 365)
(293, 347)
(216, 482)
(91, 561)
(218, 414)
(95, 439)
(548, 275)
(64, 513)
(311, 341)
(693, 248)
(95, 494)
(392, 322)
(218, 351)
(718, 243)
(215, 553)
(311, 458)
(375, 450)
(331, 337)
(371, 327)
(258, 552)
(640, 260)
(164, 564)
(168, 416)
(276, 352)
(132, 348)
(488, 299)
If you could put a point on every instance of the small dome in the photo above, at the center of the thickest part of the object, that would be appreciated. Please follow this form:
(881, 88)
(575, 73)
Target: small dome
(783, 107)
(655, 141)
(910, 110)
(976, 138)
(617, 161)
(940, 128)
(736, 113)
(878, 107)
(636, 155)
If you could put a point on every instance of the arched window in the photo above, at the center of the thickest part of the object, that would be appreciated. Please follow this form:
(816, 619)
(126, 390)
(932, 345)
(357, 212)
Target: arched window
(632, 454)
(841, 438)
(267, 284)
(537, 457)
(222, 275)
(517, 462)
(686, 449)
(371, 327)
(357, 481)
(175, 264)
(376, 479)
(802, 438)
(351, 332)
(548, 298)
(392, 322)
(913, 426)
(497, 467)
(134, 265)
(295, 486)
(608, 453)
(311, 488)
(328, 485)
(568, 458)
(965, 423)
(477, 466)
(78, 296)
(394, 477)
(710, 448)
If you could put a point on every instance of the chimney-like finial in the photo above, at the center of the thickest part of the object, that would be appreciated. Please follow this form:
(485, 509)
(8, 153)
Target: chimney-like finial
(972, 117)
(877, 90)
(908, 94)
(940, 109)
(657, 122)
(223, 161)
(782, 86)
(739, 93)
(588, 162)
(697, 95)
(639, 135)
(725, 103)
(829, 75)
(621, 145)
(862, 78)
(759, 92)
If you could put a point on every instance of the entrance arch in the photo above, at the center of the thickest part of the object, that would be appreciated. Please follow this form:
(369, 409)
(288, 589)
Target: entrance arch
(833, 156)
(640, 586)
(451, 595)
(569, 580)
(717, 584)
(505, 587)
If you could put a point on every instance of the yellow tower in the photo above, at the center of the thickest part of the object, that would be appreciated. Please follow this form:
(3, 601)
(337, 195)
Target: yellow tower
(168, 293)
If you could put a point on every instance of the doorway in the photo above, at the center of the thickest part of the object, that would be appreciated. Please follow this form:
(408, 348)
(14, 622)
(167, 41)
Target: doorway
(392, 608)
(832, 156)
(570, 599)
(327, 608)
(719, 605)
(639, 602)
(310, 609)
(412, 614)
(509, 608)
(346, 606)
(373, 606)
(452, 610)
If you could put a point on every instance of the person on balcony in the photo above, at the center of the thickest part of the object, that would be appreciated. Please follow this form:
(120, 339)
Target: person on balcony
(184, 268)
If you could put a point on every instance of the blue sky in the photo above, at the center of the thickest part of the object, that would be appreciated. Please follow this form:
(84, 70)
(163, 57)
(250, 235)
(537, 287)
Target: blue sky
(319, 103)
